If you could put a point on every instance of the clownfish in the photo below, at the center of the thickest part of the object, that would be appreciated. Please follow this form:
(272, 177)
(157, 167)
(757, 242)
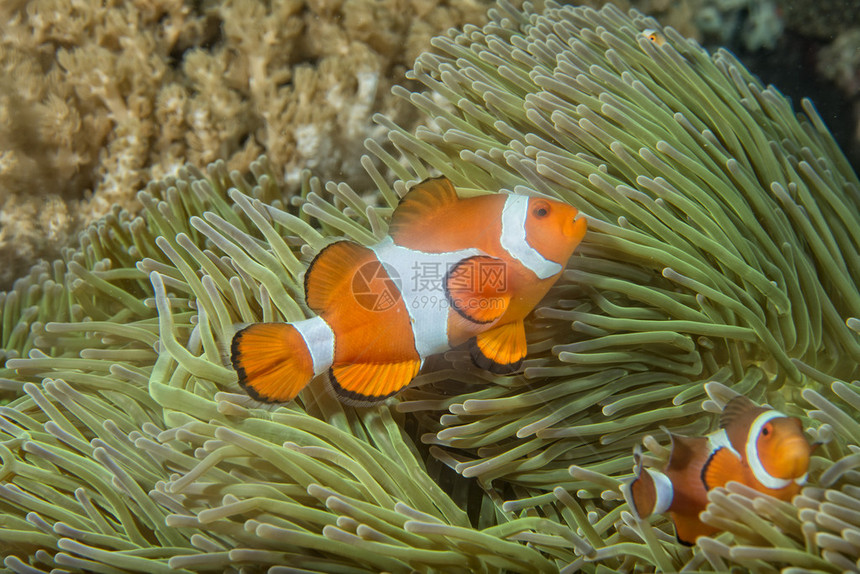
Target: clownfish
(655, 36)
(451, 270)
(757, 446)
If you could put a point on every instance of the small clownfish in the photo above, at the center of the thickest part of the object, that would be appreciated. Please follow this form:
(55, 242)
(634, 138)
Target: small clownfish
(757, 446)
(655, 36)
(451, 270)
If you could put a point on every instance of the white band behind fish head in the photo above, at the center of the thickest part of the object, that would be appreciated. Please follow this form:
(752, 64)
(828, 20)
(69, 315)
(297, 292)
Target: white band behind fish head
(720, 439)
(514, 241)
(759, 472)
(319, 339)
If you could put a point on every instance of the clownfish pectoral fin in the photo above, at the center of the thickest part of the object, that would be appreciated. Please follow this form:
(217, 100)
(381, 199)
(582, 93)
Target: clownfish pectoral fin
(688, 527)
(477, 288)
(272, 360)
(418, 207)
(684, 450)
(366, 383)
(500, 350)
(721, 467)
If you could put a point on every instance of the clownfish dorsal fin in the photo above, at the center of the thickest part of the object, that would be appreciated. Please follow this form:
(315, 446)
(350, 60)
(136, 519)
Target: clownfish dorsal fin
(500, 350)
(418, 207)
(331, 273)
(368, 383)
(737, 410)
(683, 451)
(477, 288)
(737, 418)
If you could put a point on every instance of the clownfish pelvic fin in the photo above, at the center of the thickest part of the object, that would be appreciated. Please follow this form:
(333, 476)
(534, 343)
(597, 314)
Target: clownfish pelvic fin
(500, 350)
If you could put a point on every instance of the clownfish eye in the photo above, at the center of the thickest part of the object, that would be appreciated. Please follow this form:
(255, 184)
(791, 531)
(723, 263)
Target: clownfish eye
(540, 210)
(654, 36)
(766, 429)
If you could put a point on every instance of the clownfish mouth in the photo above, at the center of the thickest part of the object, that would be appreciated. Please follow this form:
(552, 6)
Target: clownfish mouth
(789, 459)
(575, 228)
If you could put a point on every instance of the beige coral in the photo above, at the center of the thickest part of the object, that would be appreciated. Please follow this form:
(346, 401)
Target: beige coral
(103, 96)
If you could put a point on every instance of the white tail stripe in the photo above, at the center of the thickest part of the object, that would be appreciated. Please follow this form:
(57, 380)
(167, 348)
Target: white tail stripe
(319, 338)
(759, 472)
(664, 491)
(513, 238)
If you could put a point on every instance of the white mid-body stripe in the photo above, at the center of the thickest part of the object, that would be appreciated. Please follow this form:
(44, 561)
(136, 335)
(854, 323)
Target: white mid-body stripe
(421, 278)
(513, 238)
(664, 491)
(319, 338)
(759, 472)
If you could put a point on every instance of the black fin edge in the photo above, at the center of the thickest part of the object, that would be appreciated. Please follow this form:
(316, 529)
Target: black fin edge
(705, 469)
(354, 398)
(483, 362)
(240, 371)
(311, 266)
(451, 300)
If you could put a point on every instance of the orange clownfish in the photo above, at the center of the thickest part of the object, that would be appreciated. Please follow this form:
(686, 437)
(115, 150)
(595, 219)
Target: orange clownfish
(656, 37)
(757, 446)
(451, 270)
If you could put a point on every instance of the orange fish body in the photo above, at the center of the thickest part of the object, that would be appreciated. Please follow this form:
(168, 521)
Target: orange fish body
(451, 270)
(756, 446)
(654, 36)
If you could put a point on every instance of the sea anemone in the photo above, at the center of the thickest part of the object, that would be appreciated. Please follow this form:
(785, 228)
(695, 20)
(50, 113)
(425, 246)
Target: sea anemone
(722, 246)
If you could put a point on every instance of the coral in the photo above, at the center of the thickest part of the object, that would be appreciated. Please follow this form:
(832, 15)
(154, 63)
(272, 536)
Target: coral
(723, 235)
(839, 61)
(100, 97)
(821, 18)
(752, 24)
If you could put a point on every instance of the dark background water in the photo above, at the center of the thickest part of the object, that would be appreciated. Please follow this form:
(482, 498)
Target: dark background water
(791, 67)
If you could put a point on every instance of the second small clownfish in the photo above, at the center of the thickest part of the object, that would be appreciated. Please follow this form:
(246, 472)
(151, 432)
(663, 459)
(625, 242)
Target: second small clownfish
(655, 36)
(452, 270)
(757, 446)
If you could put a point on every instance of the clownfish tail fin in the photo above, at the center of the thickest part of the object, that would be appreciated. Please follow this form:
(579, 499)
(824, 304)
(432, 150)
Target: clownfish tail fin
(275, 361)
(650, 492)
